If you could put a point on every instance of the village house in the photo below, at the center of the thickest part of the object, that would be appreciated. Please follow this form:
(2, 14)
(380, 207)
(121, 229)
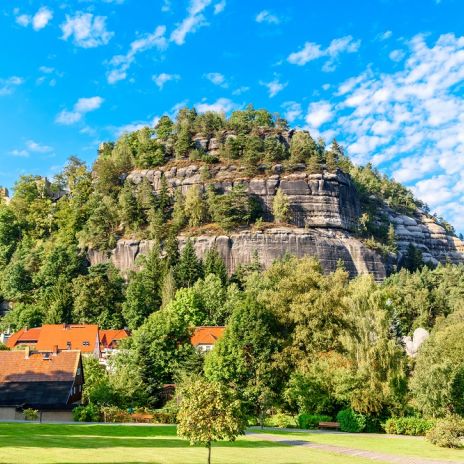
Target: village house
(205, 337)
(87, 338)
(48, 381)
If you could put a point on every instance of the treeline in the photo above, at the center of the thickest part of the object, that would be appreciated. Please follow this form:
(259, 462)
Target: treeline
(297, 342)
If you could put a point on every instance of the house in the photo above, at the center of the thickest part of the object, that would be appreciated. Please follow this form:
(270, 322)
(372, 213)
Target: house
(49, 381)
(109, 342)
(110, 339)
(205, 337)
(82, 337)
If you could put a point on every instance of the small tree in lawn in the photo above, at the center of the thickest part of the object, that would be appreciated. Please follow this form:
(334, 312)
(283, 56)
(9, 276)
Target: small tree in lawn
(209, 411)
(281, 207)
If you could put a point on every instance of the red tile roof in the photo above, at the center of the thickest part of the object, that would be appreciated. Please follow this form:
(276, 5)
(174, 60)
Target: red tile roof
(109, 338)
(15, 366)
(206, 335)
(23, 337)
(83, 337)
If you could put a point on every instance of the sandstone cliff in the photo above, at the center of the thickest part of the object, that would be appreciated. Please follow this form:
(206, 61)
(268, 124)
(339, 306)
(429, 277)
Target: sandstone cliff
(324, 212)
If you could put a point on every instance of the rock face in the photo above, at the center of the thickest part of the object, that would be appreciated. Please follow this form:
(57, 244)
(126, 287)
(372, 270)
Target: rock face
(316, 200)
(326, 245)
(324, 212)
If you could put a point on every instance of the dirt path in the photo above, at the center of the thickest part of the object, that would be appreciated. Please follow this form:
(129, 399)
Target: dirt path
(382, 457)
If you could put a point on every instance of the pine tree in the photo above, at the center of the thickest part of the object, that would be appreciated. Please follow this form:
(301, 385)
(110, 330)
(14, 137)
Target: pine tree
(195, 206)
(171, 248)
(214, 264)
(164, 199)
(281, 207)
(190, 268)
(169, 287)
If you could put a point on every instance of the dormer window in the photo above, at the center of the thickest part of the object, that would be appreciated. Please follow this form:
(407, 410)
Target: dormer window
(85, 343)
(68, 345)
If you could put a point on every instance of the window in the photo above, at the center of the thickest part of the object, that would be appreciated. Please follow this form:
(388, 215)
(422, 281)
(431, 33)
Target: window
(86, 343)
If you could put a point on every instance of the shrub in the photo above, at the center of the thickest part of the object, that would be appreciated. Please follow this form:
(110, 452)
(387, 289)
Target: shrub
(311, 421)
(448, 433)
(351, 421)
(408, 426)
(89, 413)
(31, 414)
(161, 416)
(115, 414)
(281, 420)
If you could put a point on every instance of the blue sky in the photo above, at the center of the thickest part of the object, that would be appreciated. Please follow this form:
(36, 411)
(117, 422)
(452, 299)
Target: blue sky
(385, 77)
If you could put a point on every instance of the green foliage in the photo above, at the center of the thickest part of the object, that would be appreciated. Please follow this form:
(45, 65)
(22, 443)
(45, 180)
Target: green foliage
(351, 421)
(281, 420)
(281, 207)
(232, 209)
(209, 411)
(89, 413)
(448, 433)
(31, 414)
(416, 426)
(214, 264)
(98, 297)
(437, 383)
(189, 268)
(311, 421)
(144, 291)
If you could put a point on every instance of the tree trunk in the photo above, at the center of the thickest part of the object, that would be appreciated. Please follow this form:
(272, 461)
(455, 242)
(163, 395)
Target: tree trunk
(209, 452)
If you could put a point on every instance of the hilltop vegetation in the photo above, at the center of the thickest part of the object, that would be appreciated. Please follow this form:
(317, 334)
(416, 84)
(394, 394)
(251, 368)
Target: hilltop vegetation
(297, 341)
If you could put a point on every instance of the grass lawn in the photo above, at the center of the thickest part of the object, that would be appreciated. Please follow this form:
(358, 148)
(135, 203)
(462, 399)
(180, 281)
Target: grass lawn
(404, 446)
(49, 443)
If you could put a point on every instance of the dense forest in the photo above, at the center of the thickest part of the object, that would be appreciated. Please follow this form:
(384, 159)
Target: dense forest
(297, 341)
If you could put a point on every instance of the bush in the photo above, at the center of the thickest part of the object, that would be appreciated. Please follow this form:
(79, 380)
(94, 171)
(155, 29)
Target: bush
(351, 421)
(281, 420)
(448, 433)
(89, 413)
(31, 414)
(164, 417)
(311, 421)
(115, 414)
(408, 426)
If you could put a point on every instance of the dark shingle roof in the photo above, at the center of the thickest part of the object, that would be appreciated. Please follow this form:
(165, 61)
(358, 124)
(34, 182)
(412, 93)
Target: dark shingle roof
(35, 394)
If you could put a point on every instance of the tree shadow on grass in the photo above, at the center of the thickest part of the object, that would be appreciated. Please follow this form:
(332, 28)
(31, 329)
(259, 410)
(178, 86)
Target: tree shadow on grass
(43, 441)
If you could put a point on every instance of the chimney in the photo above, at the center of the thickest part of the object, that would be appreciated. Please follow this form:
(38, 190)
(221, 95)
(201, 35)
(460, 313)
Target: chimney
(65, 326)
(55, 350)
(27, 352)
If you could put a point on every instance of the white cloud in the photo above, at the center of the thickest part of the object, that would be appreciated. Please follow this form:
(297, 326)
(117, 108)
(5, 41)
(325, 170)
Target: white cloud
(240, 90)
(120, 64)
(194, 20)
(81, 107)
(274, 87)
(221, 105)
(37, 147)
(219, 7)
(134, 126)
(319, 113)
(20, 153)
(265, 16)
(87, 30)
(385, 35)
(23, 20)
(8, 86)
(312, 51)
(42, 18)
(409, 122)
(161, 79)
(38, 21)
(292, 111)
(216, 79)
(396, 55)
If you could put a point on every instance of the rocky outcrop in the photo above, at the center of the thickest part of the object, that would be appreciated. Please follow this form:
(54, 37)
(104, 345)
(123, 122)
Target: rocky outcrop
(329, 246)
(316, 200)
(325, 209)
(431, 238)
